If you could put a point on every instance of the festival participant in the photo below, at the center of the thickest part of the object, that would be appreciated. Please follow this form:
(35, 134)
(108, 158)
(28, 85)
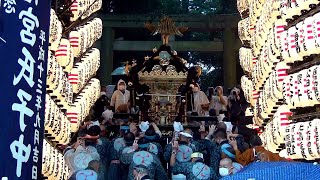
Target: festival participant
(90, 173)
(220, 137)
(107, 115)
(78, 155)
(186, 148)
(219, 102)
(210, 149)
(250, 155)
(227, 167)
(101, 144)
(99, 106)
(227, 151)
(120, 96)
(145, 158)
(200, 102)
(193, 170)
(114, 153)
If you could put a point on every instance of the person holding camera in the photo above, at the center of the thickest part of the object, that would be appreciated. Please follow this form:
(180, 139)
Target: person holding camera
(219, 102)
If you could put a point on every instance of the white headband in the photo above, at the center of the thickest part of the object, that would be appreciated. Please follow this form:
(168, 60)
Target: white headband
(186, 134)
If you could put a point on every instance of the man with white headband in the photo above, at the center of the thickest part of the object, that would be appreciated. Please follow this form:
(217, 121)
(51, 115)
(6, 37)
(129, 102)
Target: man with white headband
(185, 147)
(193, 170)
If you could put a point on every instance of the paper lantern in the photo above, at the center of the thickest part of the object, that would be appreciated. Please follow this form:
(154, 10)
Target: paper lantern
(316, 34)
(284, 45)
(309, 36)
(55, 31)
(279, 27)
(243, 29)
(64, 55)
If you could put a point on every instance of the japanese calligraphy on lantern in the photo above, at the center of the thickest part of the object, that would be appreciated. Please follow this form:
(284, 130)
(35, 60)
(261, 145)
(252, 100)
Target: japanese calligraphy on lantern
(24, 51)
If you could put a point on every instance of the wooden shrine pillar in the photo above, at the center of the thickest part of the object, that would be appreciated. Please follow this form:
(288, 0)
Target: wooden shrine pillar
(229, 58)
(106, 56)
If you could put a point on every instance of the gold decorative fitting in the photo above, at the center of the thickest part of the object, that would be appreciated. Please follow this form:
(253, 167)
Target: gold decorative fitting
(162, 75)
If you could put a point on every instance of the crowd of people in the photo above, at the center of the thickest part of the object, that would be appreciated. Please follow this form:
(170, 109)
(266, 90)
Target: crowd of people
(214, 150)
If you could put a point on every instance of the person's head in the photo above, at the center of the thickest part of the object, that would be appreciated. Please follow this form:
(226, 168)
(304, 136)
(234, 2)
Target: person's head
(133, 128)
(220, 135)
(197, 157)
(225, 167)
(219, 90)
(151, 134)
(185, 136)
(210, 90)
(143, 144)
(93, 134)
(255, 141)
(103, 89)
(121, 85)
(129, 138)
(227, 151)
(222, 125)
(94, 165)
(139, 172)
(198, 71)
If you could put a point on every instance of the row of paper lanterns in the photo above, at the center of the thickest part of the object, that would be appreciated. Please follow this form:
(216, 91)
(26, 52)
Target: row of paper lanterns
(272, 91)
(301, 40)
(57, 125)
(298, 140)
(298, 42)
(286, 9)
(257, 32)
(84, 8)
(302, 140)
(83, 37)
(58, 85)
(55, 31)
(270, 84)
(80, 109)
(269, 12)
(54, 166)
(84, 70)
(302, 89)
(275, 131)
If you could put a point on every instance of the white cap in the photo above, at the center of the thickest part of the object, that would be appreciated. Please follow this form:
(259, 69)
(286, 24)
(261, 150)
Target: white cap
(197, 155)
